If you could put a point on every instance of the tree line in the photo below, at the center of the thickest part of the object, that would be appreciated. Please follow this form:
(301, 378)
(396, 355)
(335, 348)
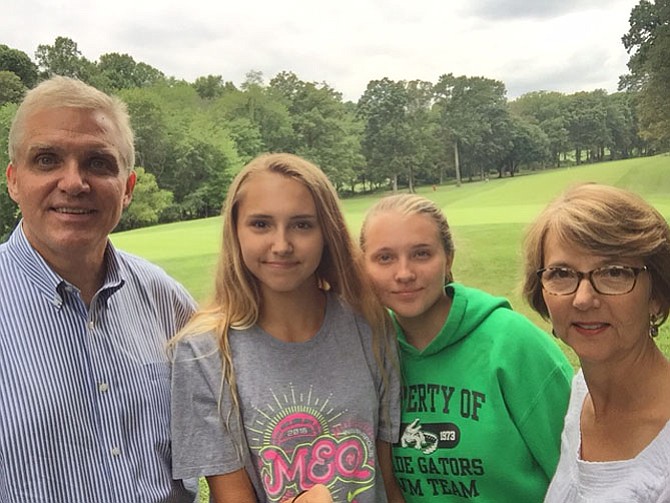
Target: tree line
(191, 137)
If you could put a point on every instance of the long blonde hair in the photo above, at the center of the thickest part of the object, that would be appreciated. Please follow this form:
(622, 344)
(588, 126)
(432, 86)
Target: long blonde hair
(236, 300)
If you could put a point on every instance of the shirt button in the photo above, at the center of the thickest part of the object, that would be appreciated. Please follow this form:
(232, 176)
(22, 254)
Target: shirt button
(103, 386)
(91, 325)
(116, 451)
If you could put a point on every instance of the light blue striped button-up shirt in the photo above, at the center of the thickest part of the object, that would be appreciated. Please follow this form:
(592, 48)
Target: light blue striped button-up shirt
(85, 392)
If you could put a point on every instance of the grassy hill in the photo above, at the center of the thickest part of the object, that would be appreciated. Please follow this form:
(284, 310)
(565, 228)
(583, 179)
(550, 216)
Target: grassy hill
(488, 219)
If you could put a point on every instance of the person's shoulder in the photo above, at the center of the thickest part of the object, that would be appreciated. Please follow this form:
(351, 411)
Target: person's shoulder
(8, 263)
(196, 345)
(516, 330)
(339, 308)
(506, 327)
(6, 271)
(4, 252)
(488, 308)
(347, 320)
(135, 261)
(141, 267)
(145, 275)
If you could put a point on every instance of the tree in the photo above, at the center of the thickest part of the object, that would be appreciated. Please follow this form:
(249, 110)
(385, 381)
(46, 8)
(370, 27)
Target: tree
(11, 87)
(148, 203)
(324, 130)
(63, 58)
(200, 179)
(587, 124)
(257, 108)
(147, 75)
(286, 86)
(212, 86)
(622, 124)
(472, 111)
(387, 138)
(252, 78)
(422, 124)
(528, 145)
(18, 62)
(153, 145)
(648, 43)
(120, 71)
(548, 110)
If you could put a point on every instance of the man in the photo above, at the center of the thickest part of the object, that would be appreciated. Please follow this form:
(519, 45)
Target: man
(84, 375)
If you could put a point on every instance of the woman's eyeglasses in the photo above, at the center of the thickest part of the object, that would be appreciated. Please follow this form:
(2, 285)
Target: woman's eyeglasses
(608, 280)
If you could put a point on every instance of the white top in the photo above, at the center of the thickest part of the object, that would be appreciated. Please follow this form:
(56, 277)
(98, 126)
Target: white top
(643, 479)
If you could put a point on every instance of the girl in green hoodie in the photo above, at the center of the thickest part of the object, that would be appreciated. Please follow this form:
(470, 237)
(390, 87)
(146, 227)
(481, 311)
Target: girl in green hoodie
(485, 390)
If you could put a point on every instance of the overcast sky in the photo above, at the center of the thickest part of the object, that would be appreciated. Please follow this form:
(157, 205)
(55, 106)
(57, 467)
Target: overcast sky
(530, 45)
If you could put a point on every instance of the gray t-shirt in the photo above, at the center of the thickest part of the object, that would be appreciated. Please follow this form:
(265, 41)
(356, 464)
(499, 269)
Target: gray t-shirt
(643, 479)
(312, 411)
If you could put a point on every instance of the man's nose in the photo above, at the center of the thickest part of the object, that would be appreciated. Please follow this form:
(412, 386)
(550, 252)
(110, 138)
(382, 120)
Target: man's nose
(73, 178)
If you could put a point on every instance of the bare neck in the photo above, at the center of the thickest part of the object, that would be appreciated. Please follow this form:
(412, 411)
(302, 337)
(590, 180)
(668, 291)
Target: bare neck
(632, 398)
(422, 329)
(628, 385)
(295, 316)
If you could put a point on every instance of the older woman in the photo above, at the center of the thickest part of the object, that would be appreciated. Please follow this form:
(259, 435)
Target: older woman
(597, 265)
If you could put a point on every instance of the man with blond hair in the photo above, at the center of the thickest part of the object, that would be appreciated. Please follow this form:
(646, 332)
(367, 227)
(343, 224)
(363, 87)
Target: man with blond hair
(84, 376)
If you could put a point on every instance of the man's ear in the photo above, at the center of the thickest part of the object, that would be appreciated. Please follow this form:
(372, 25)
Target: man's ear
(12, 188)
(130, 186)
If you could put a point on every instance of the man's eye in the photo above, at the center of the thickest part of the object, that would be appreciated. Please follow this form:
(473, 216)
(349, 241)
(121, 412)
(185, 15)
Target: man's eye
(98, 164)
(46, 160)
(103, 165)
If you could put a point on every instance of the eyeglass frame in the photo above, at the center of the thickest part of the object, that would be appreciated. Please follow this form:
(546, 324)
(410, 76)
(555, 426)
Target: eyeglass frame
(589, 275)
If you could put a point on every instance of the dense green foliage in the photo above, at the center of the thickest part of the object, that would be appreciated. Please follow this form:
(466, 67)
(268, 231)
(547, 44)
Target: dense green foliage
(19, 63)
(11, 87)
(648, 42)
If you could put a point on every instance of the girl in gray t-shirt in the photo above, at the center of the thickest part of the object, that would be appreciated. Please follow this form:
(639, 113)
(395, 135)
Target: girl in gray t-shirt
(287, 379)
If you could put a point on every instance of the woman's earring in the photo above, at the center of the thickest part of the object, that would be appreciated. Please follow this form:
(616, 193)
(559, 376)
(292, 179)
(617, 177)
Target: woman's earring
(653, 325)
(322, 284)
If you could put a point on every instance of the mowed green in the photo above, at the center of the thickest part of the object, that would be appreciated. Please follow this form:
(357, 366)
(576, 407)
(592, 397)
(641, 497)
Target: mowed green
(487, 218)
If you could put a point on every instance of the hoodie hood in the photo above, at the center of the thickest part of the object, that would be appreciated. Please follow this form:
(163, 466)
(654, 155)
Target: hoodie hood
(469, 308)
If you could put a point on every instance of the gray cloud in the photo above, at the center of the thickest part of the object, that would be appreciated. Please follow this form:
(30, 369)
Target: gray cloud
(539, 9)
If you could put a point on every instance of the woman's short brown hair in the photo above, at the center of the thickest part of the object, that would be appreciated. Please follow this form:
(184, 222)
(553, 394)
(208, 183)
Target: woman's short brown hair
(605, 221)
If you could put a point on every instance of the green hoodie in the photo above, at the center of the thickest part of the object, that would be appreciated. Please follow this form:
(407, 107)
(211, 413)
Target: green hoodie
(483, 406)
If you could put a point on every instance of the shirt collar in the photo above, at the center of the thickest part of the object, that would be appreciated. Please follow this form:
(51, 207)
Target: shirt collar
(50, 283)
